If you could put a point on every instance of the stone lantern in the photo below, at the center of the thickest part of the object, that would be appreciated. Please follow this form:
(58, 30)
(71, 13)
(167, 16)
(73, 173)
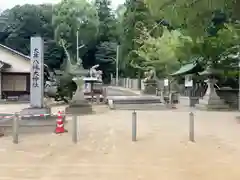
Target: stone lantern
(211, 100)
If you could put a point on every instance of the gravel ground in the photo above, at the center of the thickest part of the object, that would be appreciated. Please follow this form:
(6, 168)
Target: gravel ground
(105, 150)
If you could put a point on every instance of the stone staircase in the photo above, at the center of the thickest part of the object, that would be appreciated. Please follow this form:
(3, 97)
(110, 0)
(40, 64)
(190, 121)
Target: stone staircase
(143, 102)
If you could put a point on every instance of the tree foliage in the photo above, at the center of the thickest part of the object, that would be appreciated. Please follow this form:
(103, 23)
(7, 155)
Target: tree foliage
(71, 16)
(194, 28)
(193, 16)
(106, 52)
(135, 18)
(107, 21)
(22, 22)
(152, 34)
(106, 43)
(96, 23)
(161, 53)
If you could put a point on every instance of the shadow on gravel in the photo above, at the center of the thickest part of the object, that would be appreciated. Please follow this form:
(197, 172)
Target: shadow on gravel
(30, 126)
(44, 125)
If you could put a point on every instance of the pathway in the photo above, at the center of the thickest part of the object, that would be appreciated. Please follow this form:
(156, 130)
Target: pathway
(105, 150)
(120, 91)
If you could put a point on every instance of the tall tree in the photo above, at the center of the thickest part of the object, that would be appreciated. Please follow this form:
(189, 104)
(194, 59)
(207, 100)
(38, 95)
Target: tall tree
(161, 53)
(22, 22)
(106, 42)
(135, 19)
(71, 16)
(107, 37)
(107, 21)
(192, 15)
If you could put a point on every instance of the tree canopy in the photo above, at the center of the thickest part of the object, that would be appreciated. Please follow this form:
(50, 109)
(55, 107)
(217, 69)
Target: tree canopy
(161, 35)
(70, 16)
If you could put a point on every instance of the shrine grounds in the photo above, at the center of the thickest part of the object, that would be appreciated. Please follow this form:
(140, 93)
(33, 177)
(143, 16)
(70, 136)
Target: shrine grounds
(105, 150)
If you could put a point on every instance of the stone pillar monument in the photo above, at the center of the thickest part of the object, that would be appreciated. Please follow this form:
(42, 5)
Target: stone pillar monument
(37, 79)
(37, 73)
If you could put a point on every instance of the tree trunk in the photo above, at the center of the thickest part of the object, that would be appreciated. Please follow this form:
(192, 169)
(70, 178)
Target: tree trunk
(236, 12)
(139, 79)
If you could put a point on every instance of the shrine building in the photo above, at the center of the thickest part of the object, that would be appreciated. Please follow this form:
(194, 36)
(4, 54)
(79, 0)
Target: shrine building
(14, 73)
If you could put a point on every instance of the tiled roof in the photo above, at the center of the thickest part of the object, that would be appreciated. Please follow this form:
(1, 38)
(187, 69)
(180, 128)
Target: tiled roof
(15, 52)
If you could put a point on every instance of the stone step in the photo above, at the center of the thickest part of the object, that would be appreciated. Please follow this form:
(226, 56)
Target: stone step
(133, 100)
(152, 106)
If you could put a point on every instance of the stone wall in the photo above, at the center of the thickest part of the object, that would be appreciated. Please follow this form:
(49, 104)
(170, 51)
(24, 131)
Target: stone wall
(229, 96)
(134, 83)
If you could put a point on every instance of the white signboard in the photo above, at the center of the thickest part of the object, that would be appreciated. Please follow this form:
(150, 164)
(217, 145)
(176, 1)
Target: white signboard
(37, 72)
(166, 82)
(188, 81)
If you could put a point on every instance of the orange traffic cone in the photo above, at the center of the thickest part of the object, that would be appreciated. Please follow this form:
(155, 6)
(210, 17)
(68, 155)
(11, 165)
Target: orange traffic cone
(60, 124)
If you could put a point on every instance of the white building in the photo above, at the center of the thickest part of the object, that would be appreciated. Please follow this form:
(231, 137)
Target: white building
(14, 73)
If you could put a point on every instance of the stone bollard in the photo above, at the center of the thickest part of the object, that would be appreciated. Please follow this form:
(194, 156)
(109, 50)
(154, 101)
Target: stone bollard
(191, 127)
(15, 127)
(134, 126)
(75, 129)
(111, 104)
(157, 92)
(98, 98)
(64, 117)
(173, 100)
(105, 95)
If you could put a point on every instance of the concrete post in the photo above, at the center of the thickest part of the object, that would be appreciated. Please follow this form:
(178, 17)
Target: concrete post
(157, 92)
(134, 126)
(98, 98)
(15, 128)
(191, 127)
(105, 95)
(64, 116)
(111, 104)
(75, 129)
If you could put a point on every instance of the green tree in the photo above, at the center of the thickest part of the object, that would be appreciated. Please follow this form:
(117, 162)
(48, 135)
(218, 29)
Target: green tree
(135, 19)
(22, 22)
(104, 49)
(107, 21)
(193, 16)
(162, 53)
(214, 49)
(120, 12)
(106, 58)
(106, 52)
(107, 37)
(71, 16)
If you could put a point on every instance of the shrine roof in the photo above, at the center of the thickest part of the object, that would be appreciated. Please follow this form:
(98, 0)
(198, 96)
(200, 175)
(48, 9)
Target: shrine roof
(189, 68)
(15, 52)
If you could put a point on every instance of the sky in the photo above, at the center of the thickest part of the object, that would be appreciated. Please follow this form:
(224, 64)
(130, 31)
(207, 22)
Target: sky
(5, 4)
